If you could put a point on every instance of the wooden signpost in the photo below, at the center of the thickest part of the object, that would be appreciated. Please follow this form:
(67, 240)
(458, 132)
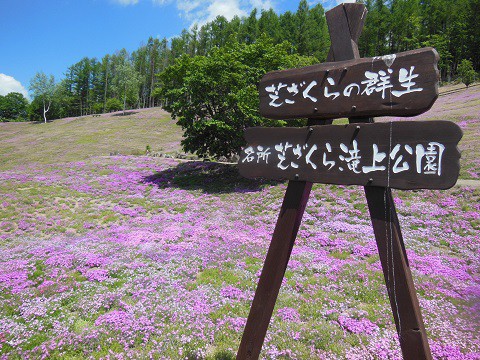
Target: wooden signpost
(404, 84)
(401, 155)
(379, 156)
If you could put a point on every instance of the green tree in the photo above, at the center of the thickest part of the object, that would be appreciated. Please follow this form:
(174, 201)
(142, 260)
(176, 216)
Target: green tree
(441, 43)
(62, 103)
(215, 98)
(127, 83)
(405, 25)
(376, 36)
(13, 107)
(289, 29)
(113, 104)
(43, 87)
(303, 28)
(269, 24)
(248, 30)
(319, 38)
(473, 36)
(466, 72)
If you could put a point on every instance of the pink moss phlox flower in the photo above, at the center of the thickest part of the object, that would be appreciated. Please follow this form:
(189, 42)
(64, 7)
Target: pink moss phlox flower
(357, 326)
(236, 323)
(96, 274)
(289, 314)
(232, 292)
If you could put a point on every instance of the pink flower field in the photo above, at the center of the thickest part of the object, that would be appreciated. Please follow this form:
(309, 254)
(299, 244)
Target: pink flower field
(140, 257)
(130, 257)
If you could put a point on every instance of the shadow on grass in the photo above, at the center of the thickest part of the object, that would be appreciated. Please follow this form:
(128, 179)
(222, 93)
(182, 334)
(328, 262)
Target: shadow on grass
(126, 113)
(210, 177)
(40, 122)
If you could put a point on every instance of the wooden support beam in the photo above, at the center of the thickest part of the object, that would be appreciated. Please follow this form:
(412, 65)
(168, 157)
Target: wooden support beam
(396, 271)
(289, 220)
(345, 25)
(398, 278)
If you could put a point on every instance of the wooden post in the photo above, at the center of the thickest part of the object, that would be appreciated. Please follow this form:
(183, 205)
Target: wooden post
(391, 249)
(289, 220)
(398, 278)
(283, 239)
(345, 24)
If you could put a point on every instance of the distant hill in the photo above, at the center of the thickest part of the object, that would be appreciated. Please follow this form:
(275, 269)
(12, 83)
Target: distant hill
(77, 138)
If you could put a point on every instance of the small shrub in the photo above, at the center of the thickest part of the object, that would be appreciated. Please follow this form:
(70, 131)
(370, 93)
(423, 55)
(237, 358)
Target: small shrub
(97, 108)
(466, 72)
(114, 105)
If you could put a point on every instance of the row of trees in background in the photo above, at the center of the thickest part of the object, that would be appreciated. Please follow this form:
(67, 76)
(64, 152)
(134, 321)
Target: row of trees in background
(450, 26)
(122, 80)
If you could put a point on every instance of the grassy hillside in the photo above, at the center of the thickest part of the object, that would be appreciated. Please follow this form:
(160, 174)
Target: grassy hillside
(462, 106)
(136, 257)
(79, 138)
(74, 139)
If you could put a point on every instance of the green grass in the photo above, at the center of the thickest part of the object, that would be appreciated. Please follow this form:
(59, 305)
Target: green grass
(80, 138)
(357, 288)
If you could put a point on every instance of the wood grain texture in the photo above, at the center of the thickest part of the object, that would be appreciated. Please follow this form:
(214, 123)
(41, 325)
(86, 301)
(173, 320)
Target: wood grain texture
(286, 94)
(283, 239)
(397, 274)
(304, 154)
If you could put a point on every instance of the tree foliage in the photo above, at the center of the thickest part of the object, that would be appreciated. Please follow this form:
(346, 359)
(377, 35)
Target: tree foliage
(466, 72)
(43, 88)
(126, 84)
(13, 107)
(214, 98)
(447, 25)
(450, 26)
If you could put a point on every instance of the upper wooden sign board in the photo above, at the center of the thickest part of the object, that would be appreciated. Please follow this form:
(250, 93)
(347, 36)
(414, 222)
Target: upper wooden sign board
(401, 155)
(404, 84)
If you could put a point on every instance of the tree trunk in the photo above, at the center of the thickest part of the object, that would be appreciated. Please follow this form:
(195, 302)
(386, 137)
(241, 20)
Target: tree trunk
(152, 83)
(125, 100)
(105, 93)
(45, 110)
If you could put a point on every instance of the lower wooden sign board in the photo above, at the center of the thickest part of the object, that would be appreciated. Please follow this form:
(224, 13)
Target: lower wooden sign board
(401, 155)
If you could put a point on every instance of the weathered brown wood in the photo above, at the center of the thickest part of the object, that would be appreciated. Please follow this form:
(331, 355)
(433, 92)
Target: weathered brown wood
(337, 19)
(355, 18)
(356, 14)
(342, 47)
(391, 154)
(398, 278)
(407, 314)
(288, 222)
(403, 84)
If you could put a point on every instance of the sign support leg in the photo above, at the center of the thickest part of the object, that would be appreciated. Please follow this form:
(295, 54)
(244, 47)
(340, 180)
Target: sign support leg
(286, 230)
(345, 24)
(398, 278)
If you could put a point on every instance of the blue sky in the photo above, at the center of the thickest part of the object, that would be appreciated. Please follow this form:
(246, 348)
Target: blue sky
(51, 35)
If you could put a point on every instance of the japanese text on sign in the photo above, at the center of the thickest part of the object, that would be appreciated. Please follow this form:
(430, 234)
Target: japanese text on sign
(423, 158)
(374, 82)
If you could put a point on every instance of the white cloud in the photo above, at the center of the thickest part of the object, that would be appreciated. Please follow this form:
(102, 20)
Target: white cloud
(8, 84)
(126, 2)
(262, 4)
(190, 7)
(202, 11)
(226, 8)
